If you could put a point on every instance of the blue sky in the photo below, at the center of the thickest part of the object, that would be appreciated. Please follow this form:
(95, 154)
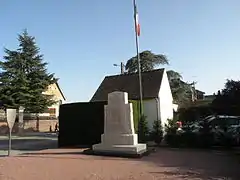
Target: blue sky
(82, 40)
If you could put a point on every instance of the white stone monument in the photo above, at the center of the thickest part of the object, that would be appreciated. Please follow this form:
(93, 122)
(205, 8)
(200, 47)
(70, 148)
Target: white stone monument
(119, 134)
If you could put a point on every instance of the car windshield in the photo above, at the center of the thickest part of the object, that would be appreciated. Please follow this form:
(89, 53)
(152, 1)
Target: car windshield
(226, 121)
(233, 121)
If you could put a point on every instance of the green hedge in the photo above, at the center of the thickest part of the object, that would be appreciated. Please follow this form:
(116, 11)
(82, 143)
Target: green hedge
(136, 113)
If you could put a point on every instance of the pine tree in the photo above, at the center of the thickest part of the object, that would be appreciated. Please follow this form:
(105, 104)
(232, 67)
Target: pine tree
(13, 91)
(143, 131)
(157, 133)
(24, 77)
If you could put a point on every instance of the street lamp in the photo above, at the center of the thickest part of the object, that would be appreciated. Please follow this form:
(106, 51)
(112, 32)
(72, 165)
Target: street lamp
(122, 67)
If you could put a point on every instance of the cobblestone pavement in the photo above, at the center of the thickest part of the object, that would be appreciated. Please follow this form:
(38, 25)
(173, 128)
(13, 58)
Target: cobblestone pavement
(167, 164)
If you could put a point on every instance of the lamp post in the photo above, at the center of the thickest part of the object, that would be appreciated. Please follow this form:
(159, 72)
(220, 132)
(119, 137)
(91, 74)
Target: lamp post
(122, 67)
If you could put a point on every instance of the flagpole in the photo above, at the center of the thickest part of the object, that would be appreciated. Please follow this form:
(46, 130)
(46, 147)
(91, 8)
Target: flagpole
(138, 59)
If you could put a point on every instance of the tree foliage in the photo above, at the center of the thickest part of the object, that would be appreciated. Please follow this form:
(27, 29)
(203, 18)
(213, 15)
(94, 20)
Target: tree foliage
(24, 77)
(157, 133)
(181, 91)
(149, 61)
(227, 100)
(143, 131)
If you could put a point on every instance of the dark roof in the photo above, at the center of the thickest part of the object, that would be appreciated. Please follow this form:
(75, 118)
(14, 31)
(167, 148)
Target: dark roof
(151, 82)
(198, 91)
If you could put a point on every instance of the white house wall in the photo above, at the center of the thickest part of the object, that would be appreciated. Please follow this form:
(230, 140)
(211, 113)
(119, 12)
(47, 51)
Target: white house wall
(166, 100)
(150, 110)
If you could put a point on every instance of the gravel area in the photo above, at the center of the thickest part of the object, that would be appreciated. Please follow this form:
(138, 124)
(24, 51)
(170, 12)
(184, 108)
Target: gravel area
(70, 164)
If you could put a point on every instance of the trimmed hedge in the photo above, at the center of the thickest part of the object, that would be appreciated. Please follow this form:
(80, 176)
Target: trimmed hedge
(191, 140)
(81, 124)
(136, 113)
(204, 138)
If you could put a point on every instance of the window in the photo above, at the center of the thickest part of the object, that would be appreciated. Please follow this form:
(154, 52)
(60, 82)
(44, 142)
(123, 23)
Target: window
(52, 111)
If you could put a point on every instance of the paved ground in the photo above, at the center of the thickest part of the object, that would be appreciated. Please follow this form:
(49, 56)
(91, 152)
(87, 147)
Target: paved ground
(164, 164)
(28, 143)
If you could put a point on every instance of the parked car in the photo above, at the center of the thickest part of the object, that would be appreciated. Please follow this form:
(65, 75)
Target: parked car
(224, 128)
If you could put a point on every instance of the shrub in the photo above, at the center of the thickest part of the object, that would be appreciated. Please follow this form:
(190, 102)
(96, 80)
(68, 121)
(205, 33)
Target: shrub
(143, 131)
(171, 127)
(157, 133)
(202, 135)
(205, 135)
(188, 138)
(172, 140)
(171, 137)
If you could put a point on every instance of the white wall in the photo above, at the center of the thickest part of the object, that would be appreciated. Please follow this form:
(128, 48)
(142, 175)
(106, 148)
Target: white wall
(150, 110)
(165, 108)
(166, 100)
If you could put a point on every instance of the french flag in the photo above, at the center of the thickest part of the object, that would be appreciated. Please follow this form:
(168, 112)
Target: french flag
(136, 19)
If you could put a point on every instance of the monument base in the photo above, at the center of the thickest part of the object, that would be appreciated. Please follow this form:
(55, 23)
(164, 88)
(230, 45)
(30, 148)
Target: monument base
(137, 149)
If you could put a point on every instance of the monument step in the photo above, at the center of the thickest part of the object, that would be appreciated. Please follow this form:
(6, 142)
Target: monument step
(124, 149)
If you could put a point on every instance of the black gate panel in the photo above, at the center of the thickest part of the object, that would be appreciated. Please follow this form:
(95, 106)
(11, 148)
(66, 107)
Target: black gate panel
(81, 124)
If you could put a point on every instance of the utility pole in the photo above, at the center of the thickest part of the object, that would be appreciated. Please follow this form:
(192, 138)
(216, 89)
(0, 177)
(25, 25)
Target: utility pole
(122, 67)
(193, 91)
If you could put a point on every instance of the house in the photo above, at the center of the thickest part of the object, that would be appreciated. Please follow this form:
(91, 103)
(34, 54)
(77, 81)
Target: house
(199, 94)
(157, 96)
(210, 97)
(58, 96)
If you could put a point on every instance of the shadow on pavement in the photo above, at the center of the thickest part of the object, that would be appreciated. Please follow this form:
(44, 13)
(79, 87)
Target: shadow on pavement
(30, 144)
(90, 152)
(190, 164)
(54, 153)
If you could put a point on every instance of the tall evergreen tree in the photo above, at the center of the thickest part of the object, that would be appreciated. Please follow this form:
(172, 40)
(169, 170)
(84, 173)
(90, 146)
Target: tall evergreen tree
(24, 77)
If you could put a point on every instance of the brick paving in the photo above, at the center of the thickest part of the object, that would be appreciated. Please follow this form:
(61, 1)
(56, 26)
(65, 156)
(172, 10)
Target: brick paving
(70, 164)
